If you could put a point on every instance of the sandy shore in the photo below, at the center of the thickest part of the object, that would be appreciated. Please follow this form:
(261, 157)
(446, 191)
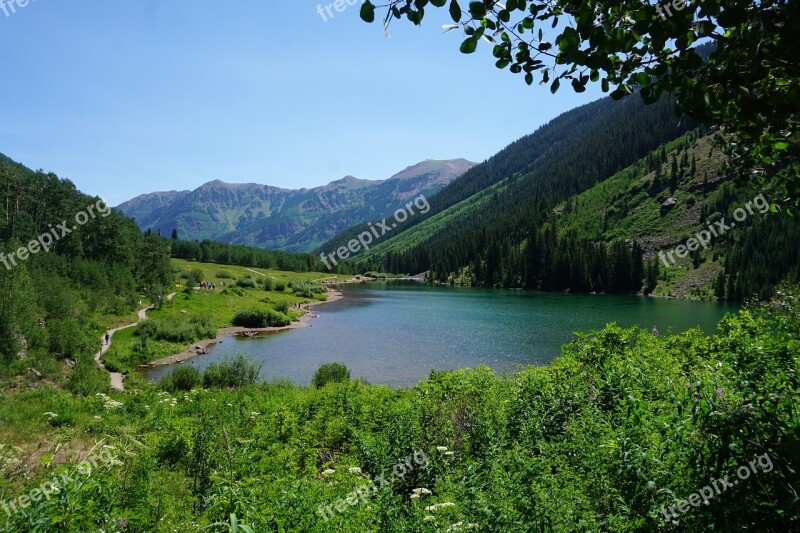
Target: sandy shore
(200, 347)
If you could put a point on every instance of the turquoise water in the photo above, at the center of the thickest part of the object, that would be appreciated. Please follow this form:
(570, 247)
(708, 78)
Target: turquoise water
(395, 333)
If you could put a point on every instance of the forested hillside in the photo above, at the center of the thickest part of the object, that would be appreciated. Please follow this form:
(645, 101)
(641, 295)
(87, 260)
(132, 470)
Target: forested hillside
(666, 199)
(51, 300)
(566, 156)
(532, 231)
(70, 266)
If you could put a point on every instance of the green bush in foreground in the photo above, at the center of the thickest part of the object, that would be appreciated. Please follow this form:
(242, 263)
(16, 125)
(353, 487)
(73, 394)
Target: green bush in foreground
(260, 318)
(330, 373)
(236, 372)
(618, 429)
(182, 378)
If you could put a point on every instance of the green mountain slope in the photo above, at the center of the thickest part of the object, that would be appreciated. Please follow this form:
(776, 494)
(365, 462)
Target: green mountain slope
(608, 238)
(295, 220)
(566, 156)
(669, 197)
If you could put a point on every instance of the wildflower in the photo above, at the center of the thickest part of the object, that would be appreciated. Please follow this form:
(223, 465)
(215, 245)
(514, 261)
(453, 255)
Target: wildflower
(414, 496)
(719, 392)
(441, 448)
(111, 404)
(449, 453)
(328, 472)
(456, 526)
(421, 491)
(51, 415)
(439, 506)
(429, 518)
(354, 470)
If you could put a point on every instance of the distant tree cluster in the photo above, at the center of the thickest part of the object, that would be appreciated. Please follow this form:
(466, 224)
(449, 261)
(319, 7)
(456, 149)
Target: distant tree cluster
(233, 254)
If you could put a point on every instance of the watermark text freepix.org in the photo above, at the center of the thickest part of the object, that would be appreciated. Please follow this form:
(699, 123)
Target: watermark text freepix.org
(703, 238)
(717, 486)
(678, 5)
(46, 240)
(9, 7)
(54, 486)
(338, 5)
(366, 237)
(420, 459)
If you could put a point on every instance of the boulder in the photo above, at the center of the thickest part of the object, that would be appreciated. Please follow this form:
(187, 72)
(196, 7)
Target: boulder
(668, 204)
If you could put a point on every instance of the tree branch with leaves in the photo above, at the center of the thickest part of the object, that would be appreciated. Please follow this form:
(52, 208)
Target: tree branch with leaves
(731, 64)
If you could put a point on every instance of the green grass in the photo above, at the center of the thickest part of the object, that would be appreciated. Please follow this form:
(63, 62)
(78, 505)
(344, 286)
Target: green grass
(622, 423)
(218, 306)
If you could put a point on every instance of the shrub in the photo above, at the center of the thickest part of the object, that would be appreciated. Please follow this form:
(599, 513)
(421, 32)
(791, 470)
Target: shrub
(307, 290)
(282, 307)
(260, 318)
(246, 283)
(232, 289)
(330, 373)
(178, 329)
(236, 372)
(269, 284)
(280, 286)
(223, 275)
(194, 277)
(183, 378)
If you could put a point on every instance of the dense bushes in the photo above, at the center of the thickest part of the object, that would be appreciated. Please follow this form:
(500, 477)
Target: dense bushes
(307, 290)
(330, 373)
(260, 318)
(246, 283)
(182, 378)
(621, 427)
(177, 329)
(238, 371)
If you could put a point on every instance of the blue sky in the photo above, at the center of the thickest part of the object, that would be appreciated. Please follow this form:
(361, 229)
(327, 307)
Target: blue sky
(130, 97)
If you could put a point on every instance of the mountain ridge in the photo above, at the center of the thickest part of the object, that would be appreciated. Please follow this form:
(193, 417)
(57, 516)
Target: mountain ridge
(291, 219)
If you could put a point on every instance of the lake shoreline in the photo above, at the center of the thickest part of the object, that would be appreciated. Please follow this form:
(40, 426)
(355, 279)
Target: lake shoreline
(199, 348)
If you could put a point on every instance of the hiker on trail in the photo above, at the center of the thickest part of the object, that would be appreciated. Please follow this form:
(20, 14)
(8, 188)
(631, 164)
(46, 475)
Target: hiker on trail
(108, 337)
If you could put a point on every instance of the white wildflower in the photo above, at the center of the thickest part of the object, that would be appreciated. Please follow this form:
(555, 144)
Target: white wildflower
(442, 448)
(328, 472)
(354, 470)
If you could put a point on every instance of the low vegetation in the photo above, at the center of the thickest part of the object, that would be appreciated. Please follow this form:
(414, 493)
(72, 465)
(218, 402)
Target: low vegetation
(234, 372)
(260, 318)
(330, 373)
(622, 426)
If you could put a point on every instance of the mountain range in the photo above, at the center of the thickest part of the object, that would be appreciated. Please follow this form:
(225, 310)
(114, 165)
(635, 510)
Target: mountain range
(293, 220)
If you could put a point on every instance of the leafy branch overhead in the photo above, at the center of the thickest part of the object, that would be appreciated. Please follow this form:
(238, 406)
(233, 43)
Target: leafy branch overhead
(734, 64)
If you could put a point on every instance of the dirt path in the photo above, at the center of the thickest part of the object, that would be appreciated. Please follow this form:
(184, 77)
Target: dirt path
(116, 377)
(260, 273)
(200, 347)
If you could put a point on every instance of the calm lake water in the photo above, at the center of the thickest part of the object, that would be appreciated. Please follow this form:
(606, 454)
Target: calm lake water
(395, 333)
